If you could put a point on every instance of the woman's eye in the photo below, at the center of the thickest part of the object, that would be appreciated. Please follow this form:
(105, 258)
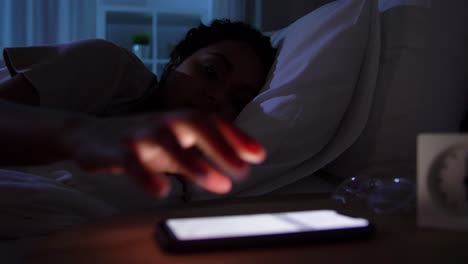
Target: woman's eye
(210, 72)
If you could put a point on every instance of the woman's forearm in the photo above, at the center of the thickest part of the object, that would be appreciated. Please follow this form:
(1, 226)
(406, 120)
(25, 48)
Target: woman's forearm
(33, 136)
(205, 150)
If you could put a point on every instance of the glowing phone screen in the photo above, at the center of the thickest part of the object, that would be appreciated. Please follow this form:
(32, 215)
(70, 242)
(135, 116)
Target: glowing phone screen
(261, 224)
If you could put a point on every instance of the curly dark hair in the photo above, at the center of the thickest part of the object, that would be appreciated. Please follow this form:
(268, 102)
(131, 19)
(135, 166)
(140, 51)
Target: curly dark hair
(224, 29)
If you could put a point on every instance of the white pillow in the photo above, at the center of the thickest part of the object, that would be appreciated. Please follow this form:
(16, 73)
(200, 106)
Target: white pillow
(309, 90)
(422, 86)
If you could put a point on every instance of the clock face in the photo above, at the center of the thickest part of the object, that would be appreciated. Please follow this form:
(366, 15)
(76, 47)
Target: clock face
(448, 180)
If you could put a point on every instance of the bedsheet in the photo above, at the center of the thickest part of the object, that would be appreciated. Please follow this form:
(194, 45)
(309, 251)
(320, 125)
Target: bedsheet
(33, 205)
(4, 74)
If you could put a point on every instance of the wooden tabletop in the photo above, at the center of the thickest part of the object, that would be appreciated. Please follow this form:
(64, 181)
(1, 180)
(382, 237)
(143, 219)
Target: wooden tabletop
(130, 239)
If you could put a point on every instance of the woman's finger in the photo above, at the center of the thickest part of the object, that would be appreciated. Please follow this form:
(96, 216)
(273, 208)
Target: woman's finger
(163, 153)
(205, 135)
(247, 148)
(171, 158)
(155, 183)
(213, 181)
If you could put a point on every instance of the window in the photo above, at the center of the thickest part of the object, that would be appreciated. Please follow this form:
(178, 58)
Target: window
(39, 22)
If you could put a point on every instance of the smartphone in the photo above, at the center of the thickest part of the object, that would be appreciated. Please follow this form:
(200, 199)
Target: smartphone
(258, 230)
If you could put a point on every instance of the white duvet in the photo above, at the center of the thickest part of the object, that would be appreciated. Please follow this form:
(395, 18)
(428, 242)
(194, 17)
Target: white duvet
(33, 205)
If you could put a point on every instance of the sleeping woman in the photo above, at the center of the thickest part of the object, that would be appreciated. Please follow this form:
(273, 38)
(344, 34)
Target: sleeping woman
(97, 104)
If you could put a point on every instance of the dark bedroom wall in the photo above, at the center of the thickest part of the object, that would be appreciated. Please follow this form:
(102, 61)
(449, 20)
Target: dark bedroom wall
(280, 13)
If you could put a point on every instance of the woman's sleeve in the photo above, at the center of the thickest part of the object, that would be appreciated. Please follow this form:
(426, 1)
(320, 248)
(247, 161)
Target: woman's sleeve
(84, 76)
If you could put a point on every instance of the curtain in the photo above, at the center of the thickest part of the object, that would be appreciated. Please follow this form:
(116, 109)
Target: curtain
(36, 22)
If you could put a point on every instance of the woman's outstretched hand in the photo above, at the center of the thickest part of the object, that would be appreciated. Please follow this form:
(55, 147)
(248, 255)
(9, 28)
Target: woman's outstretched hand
(207, 151)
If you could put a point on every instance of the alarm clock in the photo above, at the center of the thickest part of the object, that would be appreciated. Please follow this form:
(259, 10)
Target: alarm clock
(442, 181)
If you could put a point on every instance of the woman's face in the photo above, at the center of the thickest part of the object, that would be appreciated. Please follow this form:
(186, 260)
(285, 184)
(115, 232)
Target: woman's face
(221, 78)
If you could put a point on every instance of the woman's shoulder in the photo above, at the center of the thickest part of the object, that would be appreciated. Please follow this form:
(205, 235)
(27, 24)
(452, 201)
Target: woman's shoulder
(98, 75)
(100, 46)
(93, 48)
(103, 48)
(95, 43)
(134, 81)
